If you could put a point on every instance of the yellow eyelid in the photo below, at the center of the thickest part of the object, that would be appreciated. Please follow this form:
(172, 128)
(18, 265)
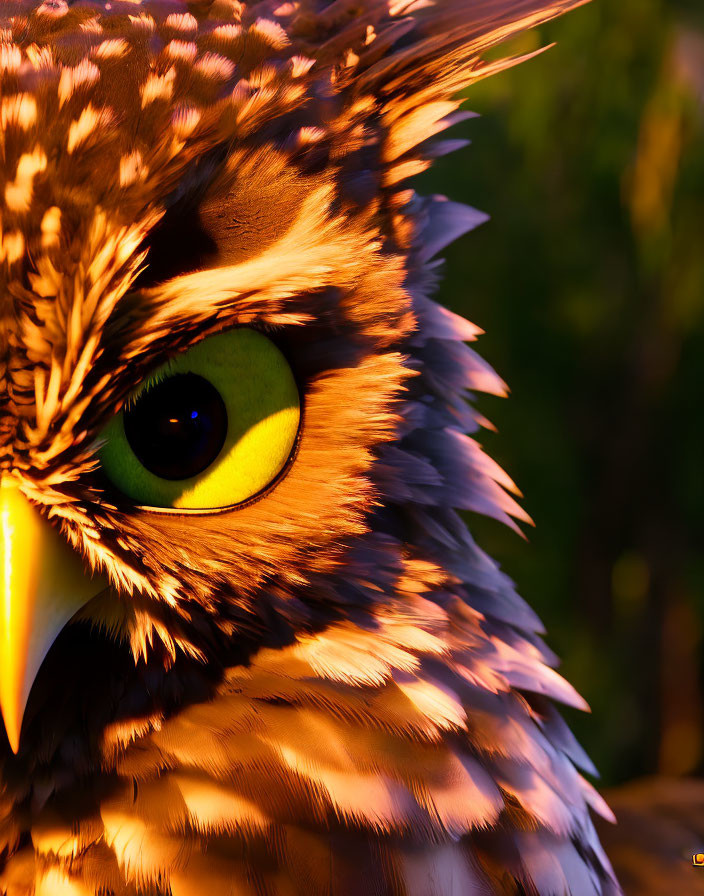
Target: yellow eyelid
(227, 508)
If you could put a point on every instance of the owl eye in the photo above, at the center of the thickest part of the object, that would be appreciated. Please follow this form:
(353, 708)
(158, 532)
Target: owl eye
(209, 429)
(177, 427)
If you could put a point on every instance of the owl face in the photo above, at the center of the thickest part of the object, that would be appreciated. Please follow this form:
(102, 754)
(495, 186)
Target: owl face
(214, 329)
(201, 333)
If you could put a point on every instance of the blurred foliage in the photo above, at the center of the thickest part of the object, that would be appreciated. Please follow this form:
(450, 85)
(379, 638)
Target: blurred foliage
(589, 282)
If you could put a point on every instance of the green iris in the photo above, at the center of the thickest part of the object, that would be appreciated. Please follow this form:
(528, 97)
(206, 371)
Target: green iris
(208, 429)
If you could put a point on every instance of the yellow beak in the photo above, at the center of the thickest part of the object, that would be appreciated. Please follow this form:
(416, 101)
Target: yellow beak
(42, 585)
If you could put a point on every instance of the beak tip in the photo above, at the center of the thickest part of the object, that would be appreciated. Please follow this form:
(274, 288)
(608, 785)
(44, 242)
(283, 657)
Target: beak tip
(13, 734)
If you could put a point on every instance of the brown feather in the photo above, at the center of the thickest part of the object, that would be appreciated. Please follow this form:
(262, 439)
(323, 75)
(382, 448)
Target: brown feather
(330, 689)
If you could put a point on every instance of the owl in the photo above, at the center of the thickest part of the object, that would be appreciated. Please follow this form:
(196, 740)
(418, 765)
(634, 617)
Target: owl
(248, 646)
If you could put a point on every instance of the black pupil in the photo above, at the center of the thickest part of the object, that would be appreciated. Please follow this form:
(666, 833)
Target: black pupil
(178, 426)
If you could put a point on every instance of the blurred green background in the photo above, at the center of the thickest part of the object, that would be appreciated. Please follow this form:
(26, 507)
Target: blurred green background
(589, 282)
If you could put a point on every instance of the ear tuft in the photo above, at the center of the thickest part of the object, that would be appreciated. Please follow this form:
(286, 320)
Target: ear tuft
(397, 47)
(402, 63)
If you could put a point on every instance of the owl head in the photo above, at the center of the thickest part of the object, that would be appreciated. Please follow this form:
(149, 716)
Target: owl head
(231, 415)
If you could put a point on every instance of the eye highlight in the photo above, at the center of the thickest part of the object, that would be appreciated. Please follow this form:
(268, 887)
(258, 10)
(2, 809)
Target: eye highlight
(210, 428)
